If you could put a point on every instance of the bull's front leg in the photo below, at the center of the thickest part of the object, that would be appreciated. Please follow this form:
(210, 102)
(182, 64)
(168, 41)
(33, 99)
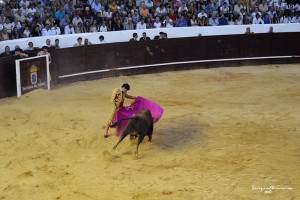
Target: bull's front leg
(124, 134)
(141, 137)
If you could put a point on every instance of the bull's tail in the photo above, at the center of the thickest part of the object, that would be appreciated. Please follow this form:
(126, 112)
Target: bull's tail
(114, 125)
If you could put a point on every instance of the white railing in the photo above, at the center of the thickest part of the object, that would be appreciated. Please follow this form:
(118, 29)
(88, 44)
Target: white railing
(123, 36)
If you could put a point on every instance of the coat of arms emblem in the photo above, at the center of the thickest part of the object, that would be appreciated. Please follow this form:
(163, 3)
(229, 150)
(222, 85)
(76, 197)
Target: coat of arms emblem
(33, 74)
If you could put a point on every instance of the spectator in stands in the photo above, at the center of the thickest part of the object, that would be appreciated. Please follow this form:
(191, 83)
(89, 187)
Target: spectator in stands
(50, 21)
(24, 10)
(87, 16)
(103, 27)
(118, 26)
(30, 47)
(237, 8)
(110, 25)
(213, 21)
(18, 52)
(16, 24)
(6, 53)
(46, 31)
(144, 12)
(285, 19)
(48, 43)
(263, 7)
(8, 25)
(266, 19)
(64, 22)
(78, 6)
(224, 10)
(39, 9)
(27, 32)
(56, 46)
(45, 52)
(239, 20)
(141, 25)
(69, 29)
(86, 27)
(135, 17)
(128, 25)
(21, 31)
(101, 39)
(202, 14)
(7, 11)
(296, 19)
(55, 30)
(94, 27)
(257, 20)
(36, 32)
(145, 37)
(134, 37)
(60, 14)
(77, 20)
(248, 31)
(68, 7)
(79, 42)
(20, 16)
(149, 4)
(87, 42)
(160, 11)
(157, 23)
(79, 28)
(223, 21)
(168, 23)
(96, 7)
(15, 34)
(231, 20)
(182, 22)
(271, 30)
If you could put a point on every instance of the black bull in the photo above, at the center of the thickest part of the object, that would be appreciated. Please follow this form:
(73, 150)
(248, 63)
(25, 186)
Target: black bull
(141, 123)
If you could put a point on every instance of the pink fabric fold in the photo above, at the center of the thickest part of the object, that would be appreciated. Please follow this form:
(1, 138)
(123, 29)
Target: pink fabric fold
(129, 111)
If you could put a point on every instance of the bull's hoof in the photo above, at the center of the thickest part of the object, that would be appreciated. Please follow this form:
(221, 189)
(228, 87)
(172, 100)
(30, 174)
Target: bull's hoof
(114, 148)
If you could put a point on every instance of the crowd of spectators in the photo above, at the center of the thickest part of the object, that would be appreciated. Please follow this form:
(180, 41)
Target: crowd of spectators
(22, 18)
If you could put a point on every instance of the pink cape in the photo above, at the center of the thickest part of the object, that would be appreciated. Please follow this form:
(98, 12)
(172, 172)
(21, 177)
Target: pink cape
(128, 111)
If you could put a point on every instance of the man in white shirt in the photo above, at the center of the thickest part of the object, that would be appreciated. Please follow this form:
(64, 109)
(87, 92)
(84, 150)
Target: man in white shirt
(202, 14)
(213, 21)
(20, 16)
(257, 20)
(285, 19)
(46, 31)
(263, 7)
(101, 39)
(255, 13)
(157, 23)
(24, 10)
(296, 19)
(69, 29)
(141, 25)
(160, 11)
(27, 3)
(76, 20)
(237, 8)
(55, 30)
(168, 22)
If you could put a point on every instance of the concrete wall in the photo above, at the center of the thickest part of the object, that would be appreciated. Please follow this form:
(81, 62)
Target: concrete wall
(178, 32)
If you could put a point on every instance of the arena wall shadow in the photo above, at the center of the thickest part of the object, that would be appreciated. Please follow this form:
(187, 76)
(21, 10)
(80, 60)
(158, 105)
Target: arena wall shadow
(110, 57)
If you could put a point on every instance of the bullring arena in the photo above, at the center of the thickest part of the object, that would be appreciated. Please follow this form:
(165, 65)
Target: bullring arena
(226, 133)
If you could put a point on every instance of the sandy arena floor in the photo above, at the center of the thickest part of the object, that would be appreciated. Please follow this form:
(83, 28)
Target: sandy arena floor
(224, 133)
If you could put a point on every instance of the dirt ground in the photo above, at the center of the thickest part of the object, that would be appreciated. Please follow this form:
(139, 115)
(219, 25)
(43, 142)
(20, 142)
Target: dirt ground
(225, 133)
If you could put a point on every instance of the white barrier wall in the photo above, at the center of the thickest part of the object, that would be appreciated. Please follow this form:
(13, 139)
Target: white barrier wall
(123, 36)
